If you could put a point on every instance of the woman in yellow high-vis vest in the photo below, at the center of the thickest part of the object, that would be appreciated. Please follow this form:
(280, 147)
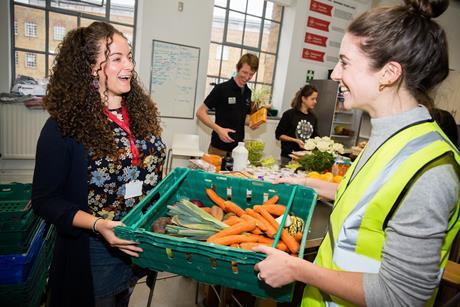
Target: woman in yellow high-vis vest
(396, 212)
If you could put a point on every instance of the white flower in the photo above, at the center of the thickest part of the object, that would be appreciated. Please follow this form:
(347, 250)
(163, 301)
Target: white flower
(337, 147)
(322, 146)
(310, 144)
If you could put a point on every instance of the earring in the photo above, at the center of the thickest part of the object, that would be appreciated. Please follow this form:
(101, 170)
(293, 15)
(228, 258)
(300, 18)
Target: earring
(382, 86)
(95, 82)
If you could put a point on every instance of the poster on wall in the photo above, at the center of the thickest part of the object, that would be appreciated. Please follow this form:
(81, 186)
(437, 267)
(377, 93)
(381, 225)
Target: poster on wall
(325, 26)
(173, 78)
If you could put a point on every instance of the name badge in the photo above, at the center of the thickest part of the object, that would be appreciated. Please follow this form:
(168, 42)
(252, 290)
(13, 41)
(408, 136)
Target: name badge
(133, 189)
(231, 100)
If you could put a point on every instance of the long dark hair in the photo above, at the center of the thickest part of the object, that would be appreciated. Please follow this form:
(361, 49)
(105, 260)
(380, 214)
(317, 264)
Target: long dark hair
(305, 91)
(407, 34)
(75, 103)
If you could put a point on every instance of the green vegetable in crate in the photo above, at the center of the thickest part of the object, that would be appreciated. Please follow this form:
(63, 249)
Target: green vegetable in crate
(296, 226)
(190, 221)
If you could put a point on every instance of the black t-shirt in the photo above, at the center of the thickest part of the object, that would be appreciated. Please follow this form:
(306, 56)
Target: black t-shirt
(298, 125)
(232, 103)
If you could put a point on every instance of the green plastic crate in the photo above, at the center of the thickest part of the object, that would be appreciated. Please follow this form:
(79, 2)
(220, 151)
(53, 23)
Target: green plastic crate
(207, 262)
(17, 220)
(14, 201)
(30, 292)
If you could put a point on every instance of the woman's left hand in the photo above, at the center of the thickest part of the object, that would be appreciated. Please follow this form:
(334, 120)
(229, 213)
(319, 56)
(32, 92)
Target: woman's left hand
(106, 229)
(278, 269)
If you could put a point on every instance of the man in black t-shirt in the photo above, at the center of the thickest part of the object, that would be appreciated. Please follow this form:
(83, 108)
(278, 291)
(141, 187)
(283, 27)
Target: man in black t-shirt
(232, 103)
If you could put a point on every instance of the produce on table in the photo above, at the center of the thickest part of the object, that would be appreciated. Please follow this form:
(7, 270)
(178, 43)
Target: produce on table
(255, 150)
(267, 161)
(318, 161)
(327, 176)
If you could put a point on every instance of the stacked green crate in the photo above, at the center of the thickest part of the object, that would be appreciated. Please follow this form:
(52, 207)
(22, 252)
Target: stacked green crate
(30, 292)
(17, 221)
(26, 246)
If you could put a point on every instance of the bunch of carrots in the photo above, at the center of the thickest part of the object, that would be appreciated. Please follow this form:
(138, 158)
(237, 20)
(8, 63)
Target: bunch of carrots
(253, 226)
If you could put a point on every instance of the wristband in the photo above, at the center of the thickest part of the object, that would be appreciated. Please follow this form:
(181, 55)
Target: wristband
(94, 224)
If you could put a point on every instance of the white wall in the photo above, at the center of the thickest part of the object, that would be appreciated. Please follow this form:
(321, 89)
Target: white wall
(160, 19)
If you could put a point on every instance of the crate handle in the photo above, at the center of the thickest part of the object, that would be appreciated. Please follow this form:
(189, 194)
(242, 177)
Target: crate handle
(160, 199)
(283, 220)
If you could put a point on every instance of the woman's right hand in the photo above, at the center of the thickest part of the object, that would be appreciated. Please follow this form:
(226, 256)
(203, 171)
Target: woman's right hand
(300, 143)
(106, 229)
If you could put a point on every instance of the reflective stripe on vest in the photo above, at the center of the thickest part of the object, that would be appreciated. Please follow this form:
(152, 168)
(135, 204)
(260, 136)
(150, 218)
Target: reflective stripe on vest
(344, 254)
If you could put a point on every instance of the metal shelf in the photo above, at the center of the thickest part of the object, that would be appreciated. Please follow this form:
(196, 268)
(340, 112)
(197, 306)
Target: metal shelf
(342, 122)
(341, 136)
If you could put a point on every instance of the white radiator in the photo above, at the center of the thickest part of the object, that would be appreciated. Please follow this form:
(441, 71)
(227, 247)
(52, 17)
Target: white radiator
(19, 130)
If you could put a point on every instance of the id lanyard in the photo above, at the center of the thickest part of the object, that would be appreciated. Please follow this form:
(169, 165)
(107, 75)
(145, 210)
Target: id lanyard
(125, 126)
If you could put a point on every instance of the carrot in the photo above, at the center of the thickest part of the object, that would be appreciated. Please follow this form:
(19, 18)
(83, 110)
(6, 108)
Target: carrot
(272, 200)
(260, 220)
(217, 212)
(232, 239)
(277, 210)
(215, 198)
(233, 220)
(260, 225)
(232, 207)
(206, 209)
(257, 231)
(234, 230)
(235, 245)
(298, 236)
(289, 240)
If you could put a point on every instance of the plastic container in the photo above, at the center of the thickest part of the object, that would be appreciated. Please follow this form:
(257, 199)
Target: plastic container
(240, 157)
(14, 268)
(30, 292)
(206, 262)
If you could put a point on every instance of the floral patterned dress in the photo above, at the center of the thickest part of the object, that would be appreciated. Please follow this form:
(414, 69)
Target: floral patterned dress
(108, 177)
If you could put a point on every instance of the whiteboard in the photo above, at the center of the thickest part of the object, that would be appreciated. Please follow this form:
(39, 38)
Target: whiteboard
(173, 78)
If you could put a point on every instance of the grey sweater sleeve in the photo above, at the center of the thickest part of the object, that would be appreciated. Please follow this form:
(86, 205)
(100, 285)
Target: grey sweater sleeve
(409, 271)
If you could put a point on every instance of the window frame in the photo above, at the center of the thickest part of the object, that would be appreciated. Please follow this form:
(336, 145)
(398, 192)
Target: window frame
(244, 48)
(47, 8)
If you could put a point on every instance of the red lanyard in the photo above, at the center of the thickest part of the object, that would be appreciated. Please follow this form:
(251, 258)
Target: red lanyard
(125, 126)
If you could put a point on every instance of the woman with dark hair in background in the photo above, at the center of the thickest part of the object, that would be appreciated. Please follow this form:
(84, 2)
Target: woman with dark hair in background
(98, 154)
(396, 211)
(299, 123)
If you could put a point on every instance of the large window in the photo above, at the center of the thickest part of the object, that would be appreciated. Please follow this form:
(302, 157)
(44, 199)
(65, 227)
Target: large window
(241, 26)
(46, 22)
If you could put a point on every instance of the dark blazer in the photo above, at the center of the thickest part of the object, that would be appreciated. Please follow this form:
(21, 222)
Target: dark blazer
(59, 190)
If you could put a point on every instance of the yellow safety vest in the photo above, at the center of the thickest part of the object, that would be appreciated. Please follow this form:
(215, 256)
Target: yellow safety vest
(364, 205)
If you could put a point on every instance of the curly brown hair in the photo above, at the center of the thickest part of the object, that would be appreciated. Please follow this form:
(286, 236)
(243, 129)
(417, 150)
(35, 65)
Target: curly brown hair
(75, 103)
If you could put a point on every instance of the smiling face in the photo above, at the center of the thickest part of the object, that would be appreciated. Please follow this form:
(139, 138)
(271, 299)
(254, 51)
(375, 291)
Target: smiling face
(244, 74)
(116, 71)
(358, 81)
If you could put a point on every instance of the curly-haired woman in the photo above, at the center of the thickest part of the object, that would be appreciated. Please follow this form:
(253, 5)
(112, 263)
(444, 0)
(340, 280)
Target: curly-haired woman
(98, 154)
